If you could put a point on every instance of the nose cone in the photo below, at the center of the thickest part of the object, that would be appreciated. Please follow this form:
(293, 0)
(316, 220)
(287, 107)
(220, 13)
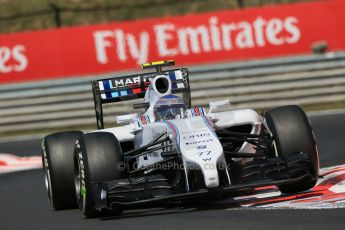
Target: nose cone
(211, 175)
(200, 147)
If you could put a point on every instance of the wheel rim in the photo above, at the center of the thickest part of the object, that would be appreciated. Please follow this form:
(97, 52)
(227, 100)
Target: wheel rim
(77, 181)
(47, 183)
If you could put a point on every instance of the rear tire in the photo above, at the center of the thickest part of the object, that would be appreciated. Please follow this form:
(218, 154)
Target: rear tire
(96, 158)
(57, 157)
(293, 133)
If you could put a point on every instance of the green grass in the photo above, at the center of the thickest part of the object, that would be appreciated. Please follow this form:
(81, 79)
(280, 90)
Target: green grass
(27, 15)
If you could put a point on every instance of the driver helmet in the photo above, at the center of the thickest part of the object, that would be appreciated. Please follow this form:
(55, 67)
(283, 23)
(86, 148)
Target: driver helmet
(169, 107)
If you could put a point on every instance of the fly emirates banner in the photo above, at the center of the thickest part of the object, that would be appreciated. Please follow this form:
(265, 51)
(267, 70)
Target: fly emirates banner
(190, 40)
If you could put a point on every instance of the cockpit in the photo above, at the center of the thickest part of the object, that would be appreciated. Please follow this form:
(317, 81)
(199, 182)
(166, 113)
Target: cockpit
(169, 107)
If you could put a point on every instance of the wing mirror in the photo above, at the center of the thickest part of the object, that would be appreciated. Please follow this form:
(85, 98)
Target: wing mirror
(126, 119)
(218, 106)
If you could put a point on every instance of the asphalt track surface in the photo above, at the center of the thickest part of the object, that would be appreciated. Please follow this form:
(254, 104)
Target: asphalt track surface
(24, 205)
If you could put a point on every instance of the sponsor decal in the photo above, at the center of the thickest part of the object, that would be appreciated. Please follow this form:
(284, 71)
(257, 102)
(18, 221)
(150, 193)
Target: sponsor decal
(115, 83)
(13, 59)
(201, 147)
(82, 171)
(213, 34)
(198, 142)
(198, 135)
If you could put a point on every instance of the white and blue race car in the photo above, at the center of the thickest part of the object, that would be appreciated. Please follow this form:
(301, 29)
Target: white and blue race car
(172, 152)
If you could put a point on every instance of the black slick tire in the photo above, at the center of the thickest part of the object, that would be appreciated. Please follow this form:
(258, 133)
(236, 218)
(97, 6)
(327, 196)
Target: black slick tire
(293, 133)
(96, 158)
(58, 167)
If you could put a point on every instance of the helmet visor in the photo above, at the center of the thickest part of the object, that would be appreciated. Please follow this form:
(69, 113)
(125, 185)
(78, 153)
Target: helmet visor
(168, 113)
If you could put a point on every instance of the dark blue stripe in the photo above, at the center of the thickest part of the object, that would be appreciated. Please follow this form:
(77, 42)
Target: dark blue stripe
(107, 87)
(172, 77)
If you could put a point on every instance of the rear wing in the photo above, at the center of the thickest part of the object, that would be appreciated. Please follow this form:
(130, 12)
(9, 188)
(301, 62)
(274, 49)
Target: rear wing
(132, 87)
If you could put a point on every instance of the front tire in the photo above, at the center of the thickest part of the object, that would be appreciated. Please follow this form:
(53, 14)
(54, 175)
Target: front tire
(57, 158)
(293, 133)
(96, 158)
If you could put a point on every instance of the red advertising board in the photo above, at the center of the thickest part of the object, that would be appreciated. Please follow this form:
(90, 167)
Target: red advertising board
(191, 39)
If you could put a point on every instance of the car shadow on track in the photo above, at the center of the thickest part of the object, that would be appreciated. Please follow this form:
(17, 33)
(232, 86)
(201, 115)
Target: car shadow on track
(188, 207)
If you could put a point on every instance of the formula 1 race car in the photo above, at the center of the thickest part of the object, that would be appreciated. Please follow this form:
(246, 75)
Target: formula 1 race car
(172, 152)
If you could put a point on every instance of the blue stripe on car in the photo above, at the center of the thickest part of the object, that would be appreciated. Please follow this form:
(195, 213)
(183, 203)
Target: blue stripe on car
(107, 87)
(114, 94)
(174, 130)
(123, 92)
(208, 125)
(172, 77)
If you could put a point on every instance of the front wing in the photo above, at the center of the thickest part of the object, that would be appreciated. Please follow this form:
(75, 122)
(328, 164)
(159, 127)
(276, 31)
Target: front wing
(155, 190)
